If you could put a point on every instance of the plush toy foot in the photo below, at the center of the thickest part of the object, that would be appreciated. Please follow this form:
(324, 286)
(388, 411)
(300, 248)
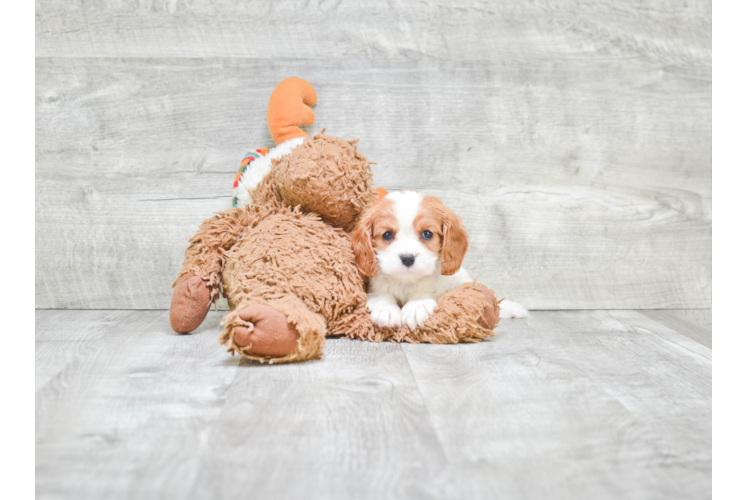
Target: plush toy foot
(271, 334)
(190, 303)
(491, 311)
(279, 331)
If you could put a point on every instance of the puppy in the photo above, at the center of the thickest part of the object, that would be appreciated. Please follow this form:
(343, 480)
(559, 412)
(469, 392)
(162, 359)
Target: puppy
(411, 247)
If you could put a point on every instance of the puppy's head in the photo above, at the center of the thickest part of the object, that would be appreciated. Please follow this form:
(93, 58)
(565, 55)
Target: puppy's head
(408, 234)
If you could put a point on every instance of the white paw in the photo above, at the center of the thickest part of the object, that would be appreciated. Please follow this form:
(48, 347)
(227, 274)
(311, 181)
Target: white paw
(384, 314)
(509, 309)
(416, 312)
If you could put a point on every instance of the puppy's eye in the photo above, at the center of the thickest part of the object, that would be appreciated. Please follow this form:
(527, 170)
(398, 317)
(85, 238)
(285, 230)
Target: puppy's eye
(387, 236)
(427, 235)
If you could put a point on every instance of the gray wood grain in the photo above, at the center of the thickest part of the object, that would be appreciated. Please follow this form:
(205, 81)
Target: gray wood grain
(350, 426)
(584, 184)
(694, 323)
(573, 405)
(60, 343)
(150, 414)
(567, 404)
(132, 404)
(474, 30)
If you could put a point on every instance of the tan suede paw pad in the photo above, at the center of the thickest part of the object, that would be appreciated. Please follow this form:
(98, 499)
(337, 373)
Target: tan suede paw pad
(190, 303)
(269, 333)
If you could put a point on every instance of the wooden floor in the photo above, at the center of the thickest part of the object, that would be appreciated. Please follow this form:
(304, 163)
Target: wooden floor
(567, 404)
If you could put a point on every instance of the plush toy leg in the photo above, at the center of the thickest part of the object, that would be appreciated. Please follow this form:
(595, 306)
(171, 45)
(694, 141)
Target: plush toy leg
(274, 330)
(190, 303)
(466, 314)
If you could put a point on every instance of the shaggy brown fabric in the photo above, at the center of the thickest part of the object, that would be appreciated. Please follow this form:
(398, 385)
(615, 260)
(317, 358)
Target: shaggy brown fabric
(189, 304)
(303, 268)
(327, 176)
(207, 253)
(274, 255)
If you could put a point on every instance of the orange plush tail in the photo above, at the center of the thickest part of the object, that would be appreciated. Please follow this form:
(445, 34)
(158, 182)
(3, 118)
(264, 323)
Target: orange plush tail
(288, 108)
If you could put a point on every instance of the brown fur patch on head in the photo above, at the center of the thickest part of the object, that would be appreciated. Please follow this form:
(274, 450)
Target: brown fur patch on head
(379, 219)
(328, 176)
(450, 238)
(430, 217)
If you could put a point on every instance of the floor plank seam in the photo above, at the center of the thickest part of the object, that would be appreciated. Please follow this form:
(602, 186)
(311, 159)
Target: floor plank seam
(632, 329)
(439, 439)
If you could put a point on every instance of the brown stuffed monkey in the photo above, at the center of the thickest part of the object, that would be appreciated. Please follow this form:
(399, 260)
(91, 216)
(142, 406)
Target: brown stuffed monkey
(283, 256)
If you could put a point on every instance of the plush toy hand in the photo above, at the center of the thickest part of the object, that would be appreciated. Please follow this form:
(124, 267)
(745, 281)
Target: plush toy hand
(491, 310)
(190, 303)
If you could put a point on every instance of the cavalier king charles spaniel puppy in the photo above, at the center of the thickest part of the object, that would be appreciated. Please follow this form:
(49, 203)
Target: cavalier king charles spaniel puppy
(411, 247)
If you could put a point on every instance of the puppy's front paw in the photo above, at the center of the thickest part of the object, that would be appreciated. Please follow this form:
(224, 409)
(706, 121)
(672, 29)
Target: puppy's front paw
(384, 313)
(416, 312)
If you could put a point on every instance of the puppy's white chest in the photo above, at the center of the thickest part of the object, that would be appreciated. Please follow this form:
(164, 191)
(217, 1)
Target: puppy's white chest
(405, 292)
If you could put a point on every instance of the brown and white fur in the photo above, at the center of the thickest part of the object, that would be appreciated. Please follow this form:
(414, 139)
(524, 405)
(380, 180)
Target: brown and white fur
(411, 247)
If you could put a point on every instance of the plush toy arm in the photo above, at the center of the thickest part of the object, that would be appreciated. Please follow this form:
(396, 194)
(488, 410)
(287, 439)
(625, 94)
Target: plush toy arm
(469, 313)
(199, 281)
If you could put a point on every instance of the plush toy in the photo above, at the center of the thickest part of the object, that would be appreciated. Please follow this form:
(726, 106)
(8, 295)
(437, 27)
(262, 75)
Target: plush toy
(283, 258)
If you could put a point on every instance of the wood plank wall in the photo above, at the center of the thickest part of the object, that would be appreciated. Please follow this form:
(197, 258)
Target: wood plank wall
(575, 139)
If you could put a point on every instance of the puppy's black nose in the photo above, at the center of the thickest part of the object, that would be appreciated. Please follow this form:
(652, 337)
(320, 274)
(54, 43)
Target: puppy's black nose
(407, 259)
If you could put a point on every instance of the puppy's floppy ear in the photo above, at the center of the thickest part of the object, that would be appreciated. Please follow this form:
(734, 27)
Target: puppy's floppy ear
(455, 244)
(363, 247)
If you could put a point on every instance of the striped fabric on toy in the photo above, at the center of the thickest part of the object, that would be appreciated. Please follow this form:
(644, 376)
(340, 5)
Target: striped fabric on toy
(248, 158)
